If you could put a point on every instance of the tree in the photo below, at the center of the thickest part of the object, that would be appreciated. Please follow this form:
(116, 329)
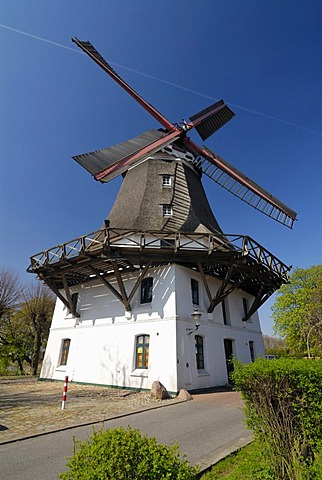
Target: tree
(16, 340)
(10, 291)
(24, 326)
(274, 346)
(297, 311)
(37, 309)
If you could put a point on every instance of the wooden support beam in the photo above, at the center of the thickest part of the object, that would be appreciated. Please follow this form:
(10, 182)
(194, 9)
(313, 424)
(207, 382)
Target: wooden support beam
(120, 283)
(205, 283)
(260, 298)
(139, 280)
(223, 291)
(106, 282)
(53, 287)
(71, 307)
(61, 297)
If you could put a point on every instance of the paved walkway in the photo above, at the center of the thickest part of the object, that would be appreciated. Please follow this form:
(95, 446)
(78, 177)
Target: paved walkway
(206, 428)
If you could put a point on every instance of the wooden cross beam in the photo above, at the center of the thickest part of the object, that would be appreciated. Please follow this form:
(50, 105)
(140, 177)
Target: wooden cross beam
(223, 291)
(72, 307)
(106, 282)
(260, 298)
(69, 305)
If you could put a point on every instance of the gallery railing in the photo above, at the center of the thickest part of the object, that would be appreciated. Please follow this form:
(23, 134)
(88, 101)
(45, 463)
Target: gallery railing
(109, 238)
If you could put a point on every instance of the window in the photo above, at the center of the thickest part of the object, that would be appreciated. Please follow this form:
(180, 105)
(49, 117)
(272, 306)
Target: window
(167, 242)
(245, 306)
(229, 354)
(142, 351)
(146, 290)
(166, 181)
(199, 352)
(74, 301)
(252, 351)
(225, 314)
(64, 351)
(167, 210)
(194, 291)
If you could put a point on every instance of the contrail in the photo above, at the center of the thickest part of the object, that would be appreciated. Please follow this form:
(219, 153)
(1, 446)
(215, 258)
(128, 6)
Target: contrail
(42, 39)
(166, 82)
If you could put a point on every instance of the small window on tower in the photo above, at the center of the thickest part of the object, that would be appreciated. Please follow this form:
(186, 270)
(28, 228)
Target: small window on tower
(166, 180)
(167, 210)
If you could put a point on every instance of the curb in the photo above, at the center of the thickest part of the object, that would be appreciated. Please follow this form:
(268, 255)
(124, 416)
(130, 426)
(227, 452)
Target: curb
(208, 462)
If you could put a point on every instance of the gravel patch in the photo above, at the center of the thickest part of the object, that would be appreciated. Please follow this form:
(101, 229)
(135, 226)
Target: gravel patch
(29, 406)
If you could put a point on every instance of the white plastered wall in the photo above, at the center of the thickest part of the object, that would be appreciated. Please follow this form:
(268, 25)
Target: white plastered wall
(102, 348)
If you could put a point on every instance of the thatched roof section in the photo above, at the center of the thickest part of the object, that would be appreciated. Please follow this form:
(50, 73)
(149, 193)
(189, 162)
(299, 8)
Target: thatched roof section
(142, 196)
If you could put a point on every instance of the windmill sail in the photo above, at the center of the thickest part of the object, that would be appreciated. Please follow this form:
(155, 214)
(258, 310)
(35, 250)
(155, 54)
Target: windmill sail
(110, 162)
(211, 119)
(96, 162)
(91, 51)
(237, 183)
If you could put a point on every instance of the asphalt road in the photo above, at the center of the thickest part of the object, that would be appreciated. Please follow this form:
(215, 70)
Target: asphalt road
(205, 432)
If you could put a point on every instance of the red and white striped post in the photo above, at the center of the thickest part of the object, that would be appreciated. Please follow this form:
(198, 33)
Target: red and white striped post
(64, 393)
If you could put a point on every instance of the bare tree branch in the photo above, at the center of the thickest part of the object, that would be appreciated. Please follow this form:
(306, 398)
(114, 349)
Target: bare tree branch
(10, 290)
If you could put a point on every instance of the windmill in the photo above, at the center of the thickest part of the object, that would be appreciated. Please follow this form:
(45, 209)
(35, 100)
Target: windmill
(108, 163)
(161, 222)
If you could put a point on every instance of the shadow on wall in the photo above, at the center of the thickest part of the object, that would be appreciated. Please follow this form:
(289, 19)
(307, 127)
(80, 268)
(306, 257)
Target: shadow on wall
(102, 300)
(120, 375)
(48, 368)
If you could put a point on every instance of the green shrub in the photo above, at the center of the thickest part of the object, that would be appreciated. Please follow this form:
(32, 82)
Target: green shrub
(125, 454)
(284, 409)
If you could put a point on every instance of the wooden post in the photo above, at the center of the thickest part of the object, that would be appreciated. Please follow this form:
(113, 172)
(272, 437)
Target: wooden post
(64, 393)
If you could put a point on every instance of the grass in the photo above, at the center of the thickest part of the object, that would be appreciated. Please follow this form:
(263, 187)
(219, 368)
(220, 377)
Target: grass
(249, 463)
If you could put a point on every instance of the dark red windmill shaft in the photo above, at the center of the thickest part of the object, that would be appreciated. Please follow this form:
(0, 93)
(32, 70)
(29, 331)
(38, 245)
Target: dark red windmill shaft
(144, 152)
(88, 48)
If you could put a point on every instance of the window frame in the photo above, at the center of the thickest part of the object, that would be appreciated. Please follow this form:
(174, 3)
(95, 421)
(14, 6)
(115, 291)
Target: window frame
(145, 345)
(200, 352)
(167, 210)
(167, 243)
(166, 180)
(251, 345)
(146, 291)
(64, 352)
(74, 299)
(246, 308)
(225, 311)
(195, 297)
(245, 305)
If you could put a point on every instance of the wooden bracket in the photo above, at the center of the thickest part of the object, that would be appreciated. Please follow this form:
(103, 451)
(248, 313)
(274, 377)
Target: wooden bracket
(139, 280)
(106, 282)
(121, 286)
(205, 283)
(68, 303)
(223, 291)
(260, 298)
(71, 307)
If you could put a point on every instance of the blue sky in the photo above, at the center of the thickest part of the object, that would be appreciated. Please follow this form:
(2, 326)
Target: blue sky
(263, 57)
